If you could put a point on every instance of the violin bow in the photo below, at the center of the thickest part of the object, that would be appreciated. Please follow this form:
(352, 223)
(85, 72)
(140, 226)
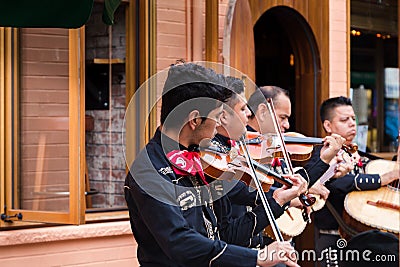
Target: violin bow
(303, 197)
(271, 108)
(267, 208)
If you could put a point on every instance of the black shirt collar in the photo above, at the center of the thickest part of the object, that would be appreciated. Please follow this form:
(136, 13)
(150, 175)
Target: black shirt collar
(223, 140)
(250, 129)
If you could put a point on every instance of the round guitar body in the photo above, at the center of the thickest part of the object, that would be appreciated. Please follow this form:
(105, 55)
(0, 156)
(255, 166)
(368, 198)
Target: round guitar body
(288, 227)
(319, 203)
(362, 216)
(380, 166)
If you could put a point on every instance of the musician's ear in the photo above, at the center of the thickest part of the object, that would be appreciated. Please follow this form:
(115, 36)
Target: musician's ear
(327, 126)
(224, 117)
(193, 119)
(262, 110)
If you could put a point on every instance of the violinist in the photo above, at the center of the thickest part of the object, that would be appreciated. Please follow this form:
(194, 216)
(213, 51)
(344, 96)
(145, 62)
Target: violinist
(170, 201)
(259, 121)
(246, 208)
(338, 117)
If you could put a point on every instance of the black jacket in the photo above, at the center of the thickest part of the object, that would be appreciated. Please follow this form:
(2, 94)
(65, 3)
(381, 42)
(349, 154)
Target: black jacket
(171, 223)
(241, 197)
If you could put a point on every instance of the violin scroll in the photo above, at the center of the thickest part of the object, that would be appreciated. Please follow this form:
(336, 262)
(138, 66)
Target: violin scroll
(350, 149)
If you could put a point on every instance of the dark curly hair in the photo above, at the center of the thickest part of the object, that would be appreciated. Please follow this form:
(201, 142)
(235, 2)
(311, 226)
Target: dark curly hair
(330, 104)
(191, 87)
(261, 94)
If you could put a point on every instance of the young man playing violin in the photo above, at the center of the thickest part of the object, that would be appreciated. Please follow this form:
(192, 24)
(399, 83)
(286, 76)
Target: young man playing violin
(171, 202)
(245, 202)
(338, 117)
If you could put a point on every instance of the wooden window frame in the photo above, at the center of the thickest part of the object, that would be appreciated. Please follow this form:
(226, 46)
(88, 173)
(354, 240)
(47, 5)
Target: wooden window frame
(140, 65)
(10, 136)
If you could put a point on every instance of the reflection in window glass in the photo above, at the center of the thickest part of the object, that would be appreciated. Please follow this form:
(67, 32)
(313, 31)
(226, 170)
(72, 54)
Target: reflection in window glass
(42, 119)
(374, 65)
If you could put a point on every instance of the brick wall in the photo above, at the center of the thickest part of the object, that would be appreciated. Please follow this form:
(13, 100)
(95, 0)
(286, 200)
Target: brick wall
(175, 33)
(104, 144)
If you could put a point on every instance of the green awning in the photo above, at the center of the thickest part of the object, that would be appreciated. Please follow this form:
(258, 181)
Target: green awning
(110, 6)
(52, 13)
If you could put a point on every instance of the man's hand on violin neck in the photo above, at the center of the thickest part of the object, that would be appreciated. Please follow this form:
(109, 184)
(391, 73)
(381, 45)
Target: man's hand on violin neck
(319, 189)
(332, 145)
(343, 168)
(284, 194)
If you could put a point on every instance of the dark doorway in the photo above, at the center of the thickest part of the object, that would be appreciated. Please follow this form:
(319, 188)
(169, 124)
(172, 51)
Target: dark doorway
(287, 56)
(274, 57)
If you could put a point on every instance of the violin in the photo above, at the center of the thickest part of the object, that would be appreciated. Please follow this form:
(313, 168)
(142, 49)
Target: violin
(260, 147)
(232, 165)
(215, 163)
(222, 166)
(300, 142)
(297, 145)
(244, 174)
(301, 147)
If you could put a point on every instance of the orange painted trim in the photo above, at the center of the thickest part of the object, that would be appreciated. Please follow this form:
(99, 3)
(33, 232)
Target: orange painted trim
(212, 30)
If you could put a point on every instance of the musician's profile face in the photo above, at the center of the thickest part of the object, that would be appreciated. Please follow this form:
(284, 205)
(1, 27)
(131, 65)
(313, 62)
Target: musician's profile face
(343, 122)
(283, 111)
(241, 109)
(234, 119)
(207, 128)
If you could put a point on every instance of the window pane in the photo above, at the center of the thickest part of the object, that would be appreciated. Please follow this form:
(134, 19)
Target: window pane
(42, 117)
(374, 72)
(105, 109)
(391, 105)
